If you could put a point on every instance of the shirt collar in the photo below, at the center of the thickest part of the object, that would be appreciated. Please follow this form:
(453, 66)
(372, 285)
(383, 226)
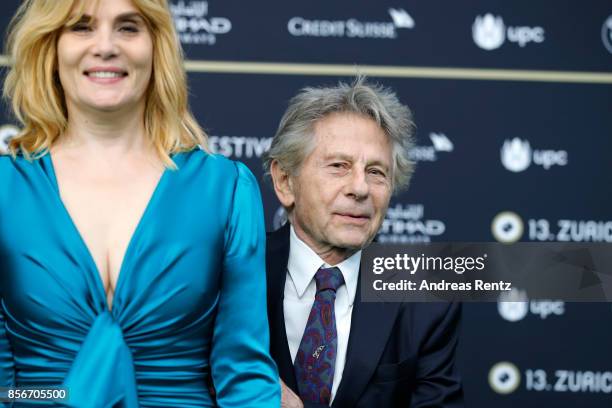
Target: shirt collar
(304, 263)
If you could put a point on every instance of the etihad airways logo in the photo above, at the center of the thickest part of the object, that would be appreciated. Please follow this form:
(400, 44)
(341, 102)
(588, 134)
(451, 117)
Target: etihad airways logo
(406, 223)
(194, 25)
(352, 28)
(489, 33)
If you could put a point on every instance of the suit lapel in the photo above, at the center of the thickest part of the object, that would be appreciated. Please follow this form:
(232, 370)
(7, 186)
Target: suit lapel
(277, 256)
(371, 325)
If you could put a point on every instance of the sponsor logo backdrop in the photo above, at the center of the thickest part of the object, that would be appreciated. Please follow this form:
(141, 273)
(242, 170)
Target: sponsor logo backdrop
(507, 161)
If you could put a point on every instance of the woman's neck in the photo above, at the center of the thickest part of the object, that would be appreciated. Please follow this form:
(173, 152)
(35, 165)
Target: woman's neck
(105, 133)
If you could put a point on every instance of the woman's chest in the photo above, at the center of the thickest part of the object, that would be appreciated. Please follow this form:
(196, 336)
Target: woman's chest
(172, 263)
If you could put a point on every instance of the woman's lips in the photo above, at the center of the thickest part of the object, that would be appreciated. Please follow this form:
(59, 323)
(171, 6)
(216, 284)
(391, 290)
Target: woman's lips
(105, 75)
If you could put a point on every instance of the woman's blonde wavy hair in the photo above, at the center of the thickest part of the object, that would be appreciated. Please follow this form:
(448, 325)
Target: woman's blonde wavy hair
(32, 84)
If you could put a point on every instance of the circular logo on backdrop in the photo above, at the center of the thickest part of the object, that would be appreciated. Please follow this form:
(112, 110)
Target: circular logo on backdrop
(516, 155)
(513, 311)
(504, 377)
(279, 219)
(507, 227)
(488, 31)
(513, 306)
(606, 33)
(6, 132)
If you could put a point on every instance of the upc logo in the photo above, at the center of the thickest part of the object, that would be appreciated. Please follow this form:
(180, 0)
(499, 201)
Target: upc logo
(606, 33)
(513, 306)
(489, 32)
(516, 155)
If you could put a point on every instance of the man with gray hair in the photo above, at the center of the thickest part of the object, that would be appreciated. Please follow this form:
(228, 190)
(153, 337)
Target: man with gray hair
(337, 157)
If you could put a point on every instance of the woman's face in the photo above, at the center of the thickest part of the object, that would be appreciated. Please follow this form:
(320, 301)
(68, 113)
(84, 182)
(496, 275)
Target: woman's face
(105, 60)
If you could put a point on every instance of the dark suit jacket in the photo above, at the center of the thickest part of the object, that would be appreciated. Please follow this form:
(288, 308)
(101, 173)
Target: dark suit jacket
(399, 354)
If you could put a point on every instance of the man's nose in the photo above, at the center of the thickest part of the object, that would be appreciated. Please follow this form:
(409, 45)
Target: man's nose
(358, 186)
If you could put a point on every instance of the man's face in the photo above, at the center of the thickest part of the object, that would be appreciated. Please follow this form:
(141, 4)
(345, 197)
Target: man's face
(342, 190)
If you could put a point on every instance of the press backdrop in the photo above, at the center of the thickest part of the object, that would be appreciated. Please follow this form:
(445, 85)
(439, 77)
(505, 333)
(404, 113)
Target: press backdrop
(512, 101)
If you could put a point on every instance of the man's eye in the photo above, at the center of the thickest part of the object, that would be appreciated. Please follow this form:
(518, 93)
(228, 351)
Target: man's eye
(338, 165)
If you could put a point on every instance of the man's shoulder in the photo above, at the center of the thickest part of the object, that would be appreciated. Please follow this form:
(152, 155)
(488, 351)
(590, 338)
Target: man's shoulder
(425, 318)
(278, 239)
(277, 251)
(430, 311)
(418, 318)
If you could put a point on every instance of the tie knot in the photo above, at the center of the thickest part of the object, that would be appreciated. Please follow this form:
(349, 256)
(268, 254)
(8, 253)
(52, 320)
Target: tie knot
(329, 278)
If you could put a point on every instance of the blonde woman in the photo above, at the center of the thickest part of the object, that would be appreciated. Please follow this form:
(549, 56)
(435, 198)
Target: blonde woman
(131, 260)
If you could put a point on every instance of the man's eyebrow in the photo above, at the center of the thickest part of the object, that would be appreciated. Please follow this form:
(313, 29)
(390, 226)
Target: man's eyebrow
(338, 156)
(346, 157)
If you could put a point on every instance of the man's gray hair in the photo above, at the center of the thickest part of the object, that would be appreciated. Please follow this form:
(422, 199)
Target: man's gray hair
(294, 139)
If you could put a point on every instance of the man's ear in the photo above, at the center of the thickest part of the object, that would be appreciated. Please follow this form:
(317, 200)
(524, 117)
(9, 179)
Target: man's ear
(283, 185)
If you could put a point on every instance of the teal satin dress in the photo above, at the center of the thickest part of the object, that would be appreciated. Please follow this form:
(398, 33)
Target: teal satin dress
(189, 309)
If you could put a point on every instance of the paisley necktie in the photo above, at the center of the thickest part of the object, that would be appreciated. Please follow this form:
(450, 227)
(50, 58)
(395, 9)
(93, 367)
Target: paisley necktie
(315, 360)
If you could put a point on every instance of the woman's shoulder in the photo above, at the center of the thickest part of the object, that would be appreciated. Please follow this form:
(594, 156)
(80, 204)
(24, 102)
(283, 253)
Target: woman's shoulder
(13, 170)
(10, 163)
(215, 165)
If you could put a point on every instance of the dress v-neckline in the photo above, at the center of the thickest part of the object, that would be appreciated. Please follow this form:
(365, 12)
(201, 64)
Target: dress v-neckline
(94, 267)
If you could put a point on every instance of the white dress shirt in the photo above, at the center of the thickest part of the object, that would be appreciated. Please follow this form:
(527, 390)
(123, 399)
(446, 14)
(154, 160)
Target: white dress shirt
(300, 290)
